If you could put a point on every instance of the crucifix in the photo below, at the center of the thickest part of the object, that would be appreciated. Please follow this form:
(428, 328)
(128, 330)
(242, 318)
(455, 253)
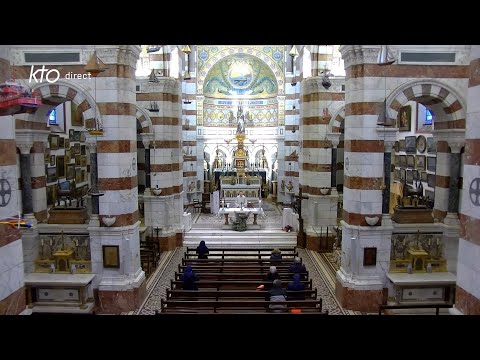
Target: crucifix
(301, 241)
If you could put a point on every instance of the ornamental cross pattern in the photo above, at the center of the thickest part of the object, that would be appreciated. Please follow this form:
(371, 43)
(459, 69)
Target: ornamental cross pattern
(475, 191)
(5, 192)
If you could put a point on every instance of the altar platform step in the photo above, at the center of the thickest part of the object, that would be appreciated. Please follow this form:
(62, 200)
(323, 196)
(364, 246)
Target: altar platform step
(267, 238)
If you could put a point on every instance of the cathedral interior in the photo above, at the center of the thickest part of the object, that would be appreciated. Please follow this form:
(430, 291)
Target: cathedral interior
(119, 159)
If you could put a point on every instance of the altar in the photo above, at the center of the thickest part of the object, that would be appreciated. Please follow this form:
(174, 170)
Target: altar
(247, 211)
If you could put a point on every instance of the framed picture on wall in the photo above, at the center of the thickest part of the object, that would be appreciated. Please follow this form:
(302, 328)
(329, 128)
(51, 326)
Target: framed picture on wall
(78, 175)
(409, 177)
(431, 146)
(70, 171)
(411, 161)
(111, 256)
(67, 143)
(52, 160)
(83, 149)
(401, 145)
(431, 163)
(53, 142)
(411, 144)
(60, 166)
(403, 161)
(423, 176)
(420, 162)
(71, 135)
(402, 174)
(51, 175)
(61, 142)
(396, 174)
(421, 144)
(51, 194)
(405, 118)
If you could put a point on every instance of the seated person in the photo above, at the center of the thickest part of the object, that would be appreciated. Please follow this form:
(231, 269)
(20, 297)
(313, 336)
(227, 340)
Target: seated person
(271, 276)
(276, 255)
(297, 267)
(189, 278)
(202, 250)
(297, 286)
(241, 200)
(277, 293)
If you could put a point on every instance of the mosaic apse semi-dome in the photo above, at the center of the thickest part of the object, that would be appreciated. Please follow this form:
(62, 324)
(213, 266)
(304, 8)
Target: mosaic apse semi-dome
(240, 75)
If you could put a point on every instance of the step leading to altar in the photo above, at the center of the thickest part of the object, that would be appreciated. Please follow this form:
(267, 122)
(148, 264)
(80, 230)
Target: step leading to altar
(237, 239)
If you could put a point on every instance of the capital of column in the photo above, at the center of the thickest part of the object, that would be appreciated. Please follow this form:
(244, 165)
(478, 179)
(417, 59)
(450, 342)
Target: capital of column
(388, 135)
(334, 138)
(25, 138)
(147, 138)
(360, 54)
(454, 137)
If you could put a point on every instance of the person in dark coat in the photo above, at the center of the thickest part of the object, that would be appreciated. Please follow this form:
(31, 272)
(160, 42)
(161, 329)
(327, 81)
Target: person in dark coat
(276, 255)
(297, 267)
(202, 250)
(271, 276)
(296, 286)
(277, 293)
(189, 278)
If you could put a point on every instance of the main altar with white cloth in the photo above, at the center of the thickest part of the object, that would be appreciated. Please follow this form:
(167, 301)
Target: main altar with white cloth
(255, 211)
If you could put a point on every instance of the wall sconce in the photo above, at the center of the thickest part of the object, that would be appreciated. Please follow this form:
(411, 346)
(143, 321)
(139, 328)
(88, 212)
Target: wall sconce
(326, 83)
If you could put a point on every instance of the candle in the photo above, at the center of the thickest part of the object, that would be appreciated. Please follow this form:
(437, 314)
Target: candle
(438, 241)
(404, 241)
(51, 242)
(41, 242)
(75, 242)
(429, 241)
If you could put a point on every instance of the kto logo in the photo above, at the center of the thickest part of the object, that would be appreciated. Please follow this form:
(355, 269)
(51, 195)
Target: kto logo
(51, 75)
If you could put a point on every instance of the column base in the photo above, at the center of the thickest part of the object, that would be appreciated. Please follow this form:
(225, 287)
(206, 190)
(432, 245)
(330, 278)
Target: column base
(14, 304)
(451, 219)
(117, 295)
(31, 219)
(359, 294)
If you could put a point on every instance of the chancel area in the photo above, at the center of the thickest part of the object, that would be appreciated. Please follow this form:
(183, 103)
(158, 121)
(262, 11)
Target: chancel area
(357, 164)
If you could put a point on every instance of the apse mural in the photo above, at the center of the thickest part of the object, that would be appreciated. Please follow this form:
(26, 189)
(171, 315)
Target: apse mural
(240, 75)
(248, 76)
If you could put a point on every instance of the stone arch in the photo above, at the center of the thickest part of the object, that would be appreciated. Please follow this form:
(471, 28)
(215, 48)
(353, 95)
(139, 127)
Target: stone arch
(337, 122)
(144, 119)
(449, 106)
(66, 91)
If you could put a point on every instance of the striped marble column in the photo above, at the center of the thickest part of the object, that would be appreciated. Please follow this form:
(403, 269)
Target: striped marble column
(322, 56)
(315, 161)
(120, 289)
(165, 210)
(39, 184)
(468, 279)
(359, 285)
(12, 291)
(159, 61)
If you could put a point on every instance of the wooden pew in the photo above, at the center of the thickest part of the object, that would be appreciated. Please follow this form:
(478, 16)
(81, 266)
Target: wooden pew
(239, 255)
(230, 284)
(263, 251)
(252, 261)
(226, 306)
(239, 276)
(264, 269)
(220, 294)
